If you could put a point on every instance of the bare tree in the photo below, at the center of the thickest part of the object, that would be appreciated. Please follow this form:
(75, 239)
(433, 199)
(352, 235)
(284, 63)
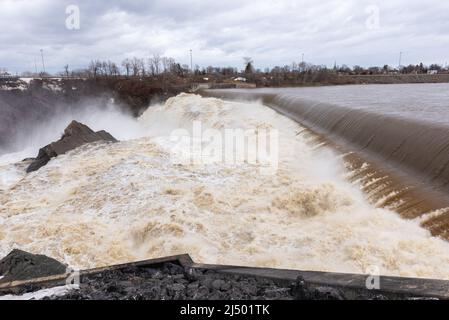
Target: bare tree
(157, 63)
(112, 69)
(294, 66)
(66, 70)
(151, 68)
(94, 68)
(171, 63)
(143, 70)
(104, 68)
(127, 65)
(137, 67)
(165, 64)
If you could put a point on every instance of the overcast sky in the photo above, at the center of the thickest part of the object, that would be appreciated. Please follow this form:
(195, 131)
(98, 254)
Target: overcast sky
(221, 33)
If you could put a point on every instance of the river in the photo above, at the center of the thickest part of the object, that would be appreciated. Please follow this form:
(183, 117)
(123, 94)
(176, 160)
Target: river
(111, 203)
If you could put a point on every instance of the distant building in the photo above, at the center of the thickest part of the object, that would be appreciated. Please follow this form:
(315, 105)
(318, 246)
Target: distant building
(240, 79)
(432, 71)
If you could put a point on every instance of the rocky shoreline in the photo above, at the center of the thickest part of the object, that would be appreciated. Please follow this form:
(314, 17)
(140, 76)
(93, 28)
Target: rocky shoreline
(165, 281)
(25, 276)
(173, 282)
(168, 281)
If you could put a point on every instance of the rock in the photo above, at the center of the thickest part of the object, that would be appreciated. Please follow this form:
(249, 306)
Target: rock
(250, 290)
(173, 269)
(218, 284)
(193, 286)
(227, 286)
(201, 293)
(75, 135)
(193, 274)
(302, 291)
(176, 289)
(21, 265)
(328, 293)
(276, 293)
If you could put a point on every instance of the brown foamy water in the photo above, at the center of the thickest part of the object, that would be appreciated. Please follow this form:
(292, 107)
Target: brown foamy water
(113, 203)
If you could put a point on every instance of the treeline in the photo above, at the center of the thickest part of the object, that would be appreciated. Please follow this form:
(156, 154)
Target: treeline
(136, 67)
(159, 65)
(169, 72)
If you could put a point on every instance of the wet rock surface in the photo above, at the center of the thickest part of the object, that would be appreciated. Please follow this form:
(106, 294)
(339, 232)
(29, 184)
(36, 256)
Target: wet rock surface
(173, 282)
(75, 135)
(21, 265)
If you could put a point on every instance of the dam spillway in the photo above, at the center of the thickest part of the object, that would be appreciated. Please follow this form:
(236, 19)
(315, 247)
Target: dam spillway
(402, 129)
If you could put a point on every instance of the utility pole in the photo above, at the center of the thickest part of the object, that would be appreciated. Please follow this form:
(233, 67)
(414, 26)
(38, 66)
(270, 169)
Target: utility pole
(400, 61)
(42, 56)
(191, 61)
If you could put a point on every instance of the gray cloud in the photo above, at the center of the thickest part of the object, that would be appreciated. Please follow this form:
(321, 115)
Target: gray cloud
(273, 32)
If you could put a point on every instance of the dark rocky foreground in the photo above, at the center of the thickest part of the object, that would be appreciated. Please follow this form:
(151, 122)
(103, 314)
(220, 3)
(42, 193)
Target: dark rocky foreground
(167, 281)
(173, 282)
(180, 278)
(75, 135)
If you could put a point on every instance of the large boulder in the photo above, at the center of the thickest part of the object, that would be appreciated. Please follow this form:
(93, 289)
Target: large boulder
(75, 135)
(21, 265)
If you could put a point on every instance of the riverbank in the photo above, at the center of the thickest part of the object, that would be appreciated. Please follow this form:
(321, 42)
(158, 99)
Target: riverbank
(180, 278)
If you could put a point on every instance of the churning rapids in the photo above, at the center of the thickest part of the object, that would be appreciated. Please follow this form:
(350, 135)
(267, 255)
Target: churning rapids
(111, 203)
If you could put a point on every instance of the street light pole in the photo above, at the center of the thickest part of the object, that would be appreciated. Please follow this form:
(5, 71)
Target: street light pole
(191, 61)
(42, 56)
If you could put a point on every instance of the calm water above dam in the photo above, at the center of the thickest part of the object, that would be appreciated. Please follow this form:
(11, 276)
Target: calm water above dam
(428, 102)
